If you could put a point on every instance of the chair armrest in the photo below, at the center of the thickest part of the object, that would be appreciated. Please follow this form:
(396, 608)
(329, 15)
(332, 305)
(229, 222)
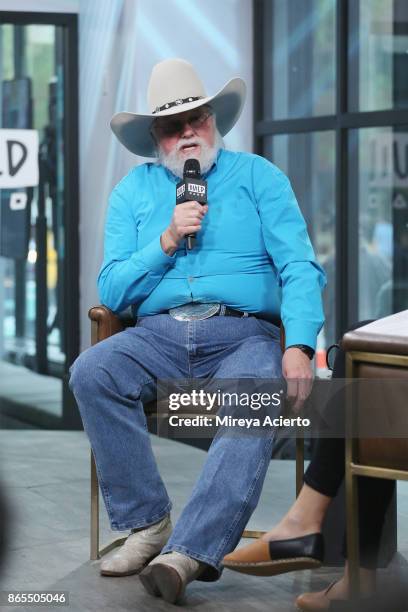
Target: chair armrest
(104, 323)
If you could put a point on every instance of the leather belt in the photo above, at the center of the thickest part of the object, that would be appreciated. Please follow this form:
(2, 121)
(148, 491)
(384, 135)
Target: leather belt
(232, 312)
(195, 311)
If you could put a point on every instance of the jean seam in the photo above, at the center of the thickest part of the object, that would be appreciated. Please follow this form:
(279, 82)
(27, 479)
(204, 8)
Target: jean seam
(246, 501)
(192, 554)
(189, 328)
(105, 491)
(146, 522)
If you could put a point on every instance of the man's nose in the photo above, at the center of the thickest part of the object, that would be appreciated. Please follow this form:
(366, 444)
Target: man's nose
(187, 131)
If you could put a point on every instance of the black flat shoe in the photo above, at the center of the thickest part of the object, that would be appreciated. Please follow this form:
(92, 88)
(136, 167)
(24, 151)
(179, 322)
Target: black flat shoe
(277, 556)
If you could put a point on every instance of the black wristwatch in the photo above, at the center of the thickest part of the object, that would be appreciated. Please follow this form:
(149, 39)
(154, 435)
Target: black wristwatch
(304, 348)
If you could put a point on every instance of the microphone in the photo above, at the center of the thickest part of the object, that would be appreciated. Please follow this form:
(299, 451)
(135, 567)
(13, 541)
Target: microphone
(192, 187)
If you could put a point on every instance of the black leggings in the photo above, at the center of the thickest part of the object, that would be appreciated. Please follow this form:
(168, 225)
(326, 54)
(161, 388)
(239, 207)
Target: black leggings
(326, 473)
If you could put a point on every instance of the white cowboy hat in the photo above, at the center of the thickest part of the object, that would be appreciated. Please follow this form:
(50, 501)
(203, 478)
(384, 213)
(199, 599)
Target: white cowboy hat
(175, 87)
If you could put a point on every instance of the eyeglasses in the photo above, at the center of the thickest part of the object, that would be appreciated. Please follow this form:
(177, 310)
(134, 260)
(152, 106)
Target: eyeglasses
(173, 127)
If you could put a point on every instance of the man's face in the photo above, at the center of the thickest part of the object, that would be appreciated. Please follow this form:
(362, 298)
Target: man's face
(185, 135)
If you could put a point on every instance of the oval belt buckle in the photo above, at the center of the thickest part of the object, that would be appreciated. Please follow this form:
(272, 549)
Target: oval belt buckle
(194, 312)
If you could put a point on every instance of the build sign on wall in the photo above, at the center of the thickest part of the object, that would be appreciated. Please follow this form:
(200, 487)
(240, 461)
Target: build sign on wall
(18, 158)
(18, 175)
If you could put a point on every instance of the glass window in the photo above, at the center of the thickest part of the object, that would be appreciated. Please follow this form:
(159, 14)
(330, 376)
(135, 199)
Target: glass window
(378, 159)
(6, 50)
(378, 54)
(309, 161)
(32, 250)
(299, 58)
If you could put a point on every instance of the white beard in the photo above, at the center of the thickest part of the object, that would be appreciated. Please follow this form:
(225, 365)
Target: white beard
(174, 161)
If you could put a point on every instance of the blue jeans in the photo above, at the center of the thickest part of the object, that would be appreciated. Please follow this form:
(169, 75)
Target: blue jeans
(111, 379)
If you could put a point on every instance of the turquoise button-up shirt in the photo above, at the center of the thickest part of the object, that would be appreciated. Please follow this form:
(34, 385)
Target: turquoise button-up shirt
(253, 252)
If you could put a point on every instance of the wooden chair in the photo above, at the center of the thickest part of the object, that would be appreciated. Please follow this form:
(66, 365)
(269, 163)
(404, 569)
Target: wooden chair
(377, 351)
(105, 323)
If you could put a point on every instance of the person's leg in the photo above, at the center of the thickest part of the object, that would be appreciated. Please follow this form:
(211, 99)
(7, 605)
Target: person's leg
(109, 381)
(228, 488)
(374, 498)
(336, 591)
(321, 483)
(324, 476)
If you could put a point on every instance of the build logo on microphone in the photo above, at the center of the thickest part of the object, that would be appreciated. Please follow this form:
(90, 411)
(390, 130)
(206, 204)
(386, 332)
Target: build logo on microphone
(196, 188)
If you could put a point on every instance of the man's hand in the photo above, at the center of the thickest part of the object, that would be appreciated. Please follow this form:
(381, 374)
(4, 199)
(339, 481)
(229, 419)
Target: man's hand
(186, 219)
(297, 370)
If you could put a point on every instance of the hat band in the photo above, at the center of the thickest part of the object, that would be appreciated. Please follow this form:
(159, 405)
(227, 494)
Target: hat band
(176, 103)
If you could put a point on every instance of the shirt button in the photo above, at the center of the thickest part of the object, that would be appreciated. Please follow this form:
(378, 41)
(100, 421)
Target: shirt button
(190, 279)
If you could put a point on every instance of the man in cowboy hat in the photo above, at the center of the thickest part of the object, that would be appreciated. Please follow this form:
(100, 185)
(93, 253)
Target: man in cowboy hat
(209, 312)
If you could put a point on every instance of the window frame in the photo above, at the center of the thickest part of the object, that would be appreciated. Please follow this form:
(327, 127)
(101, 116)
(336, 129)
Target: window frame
(341, 122)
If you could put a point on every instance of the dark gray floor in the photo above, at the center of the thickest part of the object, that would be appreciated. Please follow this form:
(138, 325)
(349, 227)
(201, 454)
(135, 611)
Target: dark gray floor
(46, 477)
(35, 398)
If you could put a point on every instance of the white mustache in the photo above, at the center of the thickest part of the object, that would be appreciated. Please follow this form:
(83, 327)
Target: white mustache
(190, 142)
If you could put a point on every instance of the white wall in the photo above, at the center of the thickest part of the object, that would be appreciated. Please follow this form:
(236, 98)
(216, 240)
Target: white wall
(120, 41)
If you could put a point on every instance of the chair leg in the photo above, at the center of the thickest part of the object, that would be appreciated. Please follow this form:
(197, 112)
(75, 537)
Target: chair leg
(300, 463)
(351, 485)
(96, 552)
(352, 524)
(252, 533)
(94, 511)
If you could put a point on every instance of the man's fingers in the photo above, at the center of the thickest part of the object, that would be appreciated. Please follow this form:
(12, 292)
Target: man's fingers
(189, 216)
(309, 386)
(297, 406)
(298, 390)
(303, 392)
(305, 386)
(193, 205)
(291, 389)
(298, 373)
(191, 229)
(194, 215)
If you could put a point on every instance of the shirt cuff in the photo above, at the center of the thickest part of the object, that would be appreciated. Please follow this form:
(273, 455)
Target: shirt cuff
(154, 258)
(301, 332)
